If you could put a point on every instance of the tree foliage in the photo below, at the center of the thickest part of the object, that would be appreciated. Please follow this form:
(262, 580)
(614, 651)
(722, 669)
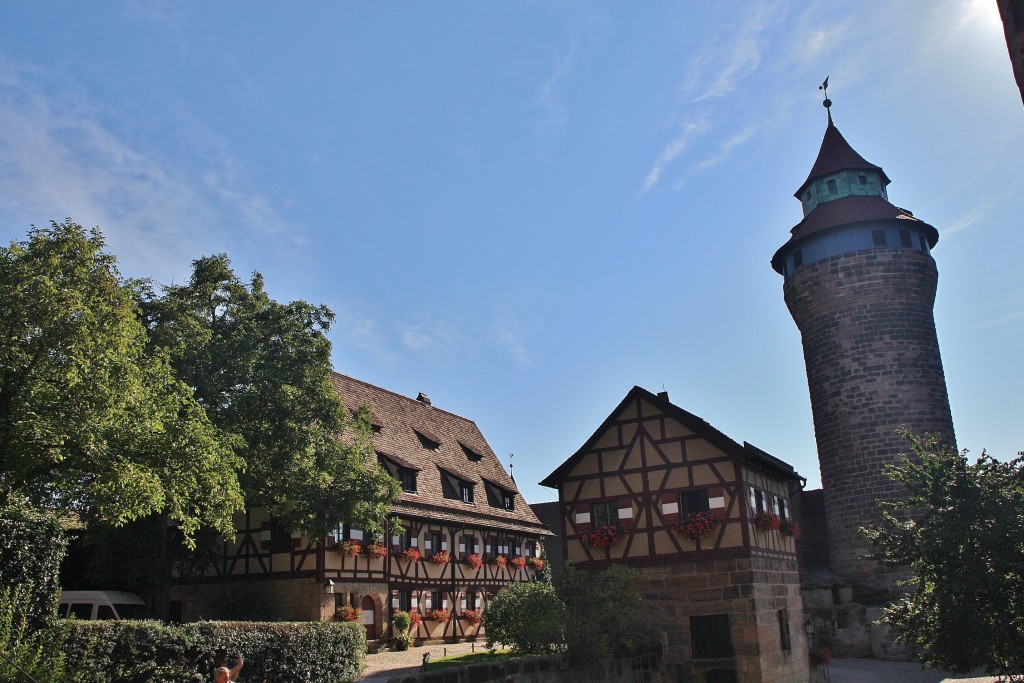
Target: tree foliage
(607, 617)
(261, 370)
(960, 528)
(89, 420)
(527, 617)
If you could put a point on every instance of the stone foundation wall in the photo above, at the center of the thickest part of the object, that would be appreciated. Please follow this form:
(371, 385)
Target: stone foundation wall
(752, 592)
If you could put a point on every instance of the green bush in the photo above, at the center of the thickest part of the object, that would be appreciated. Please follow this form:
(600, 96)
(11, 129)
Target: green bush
(32, 546)
(149, 652)
(608, 619)
(527, 617)
(25, 651)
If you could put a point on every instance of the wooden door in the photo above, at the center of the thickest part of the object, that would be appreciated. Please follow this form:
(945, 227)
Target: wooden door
(369, 620)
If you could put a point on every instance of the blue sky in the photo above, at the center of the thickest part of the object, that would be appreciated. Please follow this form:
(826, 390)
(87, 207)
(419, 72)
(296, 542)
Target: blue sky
(524, 209)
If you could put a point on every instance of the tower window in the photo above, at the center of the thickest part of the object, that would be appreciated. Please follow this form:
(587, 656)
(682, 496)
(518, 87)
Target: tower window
(832, 187)
(924, 245)
(878, 236)
(862, 179)
(905, 238)
(798, 258)
(784, 639)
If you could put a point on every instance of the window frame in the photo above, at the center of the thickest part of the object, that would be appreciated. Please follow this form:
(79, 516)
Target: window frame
(692, 501)
(711, 637)
(607, 508)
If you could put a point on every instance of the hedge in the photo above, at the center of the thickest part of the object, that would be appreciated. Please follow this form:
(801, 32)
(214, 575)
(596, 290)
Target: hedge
(32, 546)
(150, 652)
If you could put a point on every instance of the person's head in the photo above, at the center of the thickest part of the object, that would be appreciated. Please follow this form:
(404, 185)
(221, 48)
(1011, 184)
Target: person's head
(221, 675)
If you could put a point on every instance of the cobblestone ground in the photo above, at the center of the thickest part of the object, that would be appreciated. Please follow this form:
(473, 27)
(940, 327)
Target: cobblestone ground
(383, 665)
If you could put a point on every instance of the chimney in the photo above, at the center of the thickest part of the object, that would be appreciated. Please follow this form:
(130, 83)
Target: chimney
(663, 395)
(423, 398)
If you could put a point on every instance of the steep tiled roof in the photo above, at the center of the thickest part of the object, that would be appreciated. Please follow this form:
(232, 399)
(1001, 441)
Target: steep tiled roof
(403, 422)
(836, 154)
(746, 452)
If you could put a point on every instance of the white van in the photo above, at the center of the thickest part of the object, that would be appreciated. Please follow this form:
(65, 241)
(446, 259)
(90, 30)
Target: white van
(96, 605)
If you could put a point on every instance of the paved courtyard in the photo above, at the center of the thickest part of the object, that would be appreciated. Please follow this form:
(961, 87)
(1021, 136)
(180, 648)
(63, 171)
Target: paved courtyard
(381, 667)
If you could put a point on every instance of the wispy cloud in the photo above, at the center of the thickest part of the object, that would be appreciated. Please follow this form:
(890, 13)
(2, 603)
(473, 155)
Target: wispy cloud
(970, 218)
(745, 55)
(688, 131)
(726, 148)
(61, 157)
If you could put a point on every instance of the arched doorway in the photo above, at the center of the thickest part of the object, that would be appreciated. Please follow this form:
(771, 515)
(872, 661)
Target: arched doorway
(369, 617)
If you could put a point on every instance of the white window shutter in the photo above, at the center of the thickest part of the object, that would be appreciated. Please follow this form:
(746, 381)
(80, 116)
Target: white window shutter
(356, 534)
(413, 541)
(444, 545)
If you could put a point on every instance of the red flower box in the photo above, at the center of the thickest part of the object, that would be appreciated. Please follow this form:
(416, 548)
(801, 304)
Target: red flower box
(697, 525)
(518, 562)
(767, 521)
(501, 561)
(471, 615)
(348, 613)
(537, 563)
(790, 528)
(350, 548)
(411, 555)
(602, 536)
(474, 561)
(441, 557)
(442, 615)
(376, 551)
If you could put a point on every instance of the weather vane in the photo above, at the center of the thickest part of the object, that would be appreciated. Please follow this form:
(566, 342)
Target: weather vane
(824, 86)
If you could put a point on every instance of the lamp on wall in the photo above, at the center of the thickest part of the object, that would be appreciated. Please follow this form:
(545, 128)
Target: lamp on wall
(329, 587)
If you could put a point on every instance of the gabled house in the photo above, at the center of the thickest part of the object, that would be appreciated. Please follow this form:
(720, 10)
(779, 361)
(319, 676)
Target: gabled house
(463, 531)
(708, 524)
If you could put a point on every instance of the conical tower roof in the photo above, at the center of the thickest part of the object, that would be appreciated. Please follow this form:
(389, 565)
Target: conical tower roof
(836, 155)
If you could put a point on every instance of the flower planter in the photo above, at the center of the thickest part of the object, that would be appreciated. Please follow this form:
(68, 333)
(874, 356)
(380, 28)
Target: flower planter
(349, 548)
(348, 613)
(440, 615)
(766, 521)
(518, 562)
(602, 536)
(473, 561)
(441, 557)
(697, 526)
(376, 551)
(411, 555)
(472, 616)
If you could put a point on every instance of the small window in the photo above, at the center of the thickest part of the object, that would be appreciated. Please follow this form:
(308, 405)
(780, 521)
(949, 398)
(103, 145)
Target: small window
(605, 514)
(436, 600)
(408, 479)
(405, 601)
(436, 542)
(784, 640)
(758, 501)
(492, 547)
(693, 501)
(784, 513)
(710, 638)
(798, 258)
(427, 442)
(878, 236)
(832, 189)
(924, 245)
(531, 549)
(472, 455)
(466, 492)
(404, 540)
(472, 599)
(905, 238)
(862, 179)
(507, 500)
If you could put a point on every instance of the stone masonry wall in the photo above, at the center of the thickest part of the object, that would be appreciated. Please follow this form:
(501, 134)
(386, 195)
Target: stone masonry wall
(873, 366)
(751, 591)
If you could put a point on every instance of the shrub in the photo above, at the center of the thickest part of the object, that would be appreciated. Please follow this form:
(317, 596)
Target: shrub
(348, 613)
(30, 651)
(608, 619)
(526, 617)
(32, 546)
(401, 621)
(112, 651)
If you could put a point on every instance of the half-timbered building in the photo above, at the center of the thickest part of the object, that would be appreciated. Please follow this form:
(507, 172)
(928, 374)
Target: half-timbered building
(708, 524)
(460, 531)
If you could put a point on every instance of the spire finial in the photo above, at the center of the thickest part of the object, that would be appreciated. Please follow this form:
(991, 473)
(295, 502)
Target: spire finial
(827, 103)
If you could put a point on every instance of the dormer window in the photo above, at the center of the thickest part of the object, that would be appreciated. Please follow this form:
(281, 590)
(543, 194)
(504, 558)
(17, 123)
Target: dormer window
(427, 442)
(507, 501)
(832, 189)
(862, 179)
(408, 479)
(472, 455)
(466, 492)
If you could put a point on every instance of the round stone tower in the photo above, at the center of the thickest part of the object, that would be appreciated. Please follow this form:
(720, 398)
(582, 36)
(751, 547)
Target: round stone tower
(860, 284)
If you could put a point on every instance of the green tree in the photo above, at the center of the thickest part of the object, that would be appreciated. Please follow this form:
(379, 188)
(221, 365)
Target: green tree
(527, 617)
(89, 421)
(960, 529)
(262, 371)
(607, 617)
